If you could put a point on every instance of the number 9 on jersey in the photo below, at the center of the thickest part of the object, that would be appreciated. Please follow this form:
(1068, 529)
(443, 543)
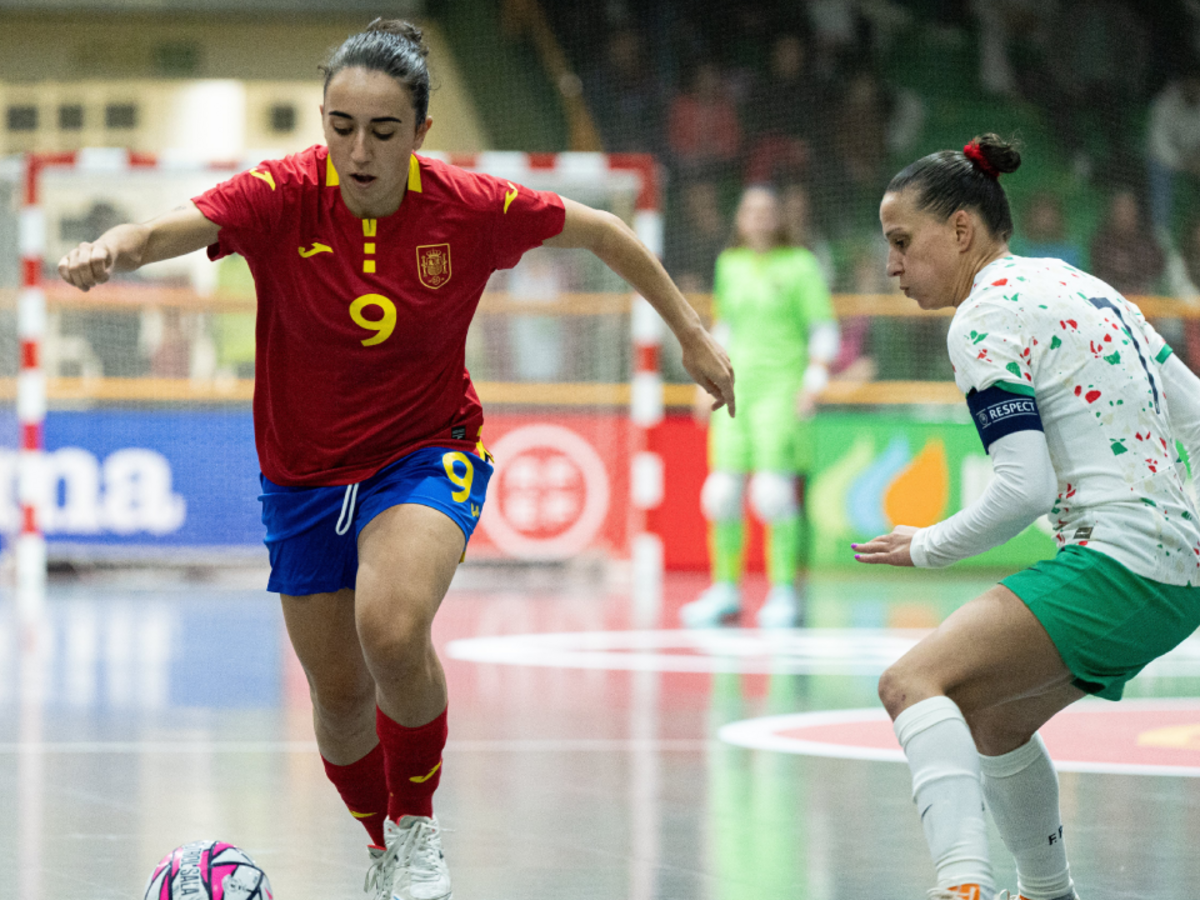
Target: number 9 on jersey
(462, 482)
(384, 326)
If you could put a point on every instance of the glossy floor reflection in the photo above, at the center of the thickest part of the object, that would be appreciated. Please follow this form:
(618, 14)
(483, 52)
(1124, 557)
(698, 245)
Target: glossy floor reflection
(148, 712)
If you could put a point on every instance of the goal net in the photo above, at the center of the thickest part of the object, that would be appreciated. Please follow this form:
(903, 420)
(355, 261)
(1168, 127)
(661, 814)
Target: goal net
(149, 451)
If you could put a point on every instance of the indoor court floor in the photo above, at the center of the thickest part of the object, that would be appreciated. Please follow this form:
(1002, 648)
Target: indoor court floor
(595, 751)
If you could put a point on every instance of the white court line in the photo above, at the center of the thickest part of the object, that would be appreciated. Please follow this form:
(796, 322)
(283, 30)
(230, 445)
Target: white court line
(796, 651)
(764, 734)
(566, 745)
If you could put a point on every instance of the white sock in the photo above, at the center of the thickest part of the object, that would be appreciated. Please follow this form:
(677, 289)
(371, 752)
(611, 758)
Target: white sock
(1021, 790)
(945, 770)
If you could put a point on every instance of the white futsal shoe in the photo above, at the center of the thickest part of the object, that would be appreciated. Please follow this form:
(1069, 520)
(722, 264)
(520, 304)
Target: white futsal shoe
(781, 609)
(1005, 895)
(719, 602)
(412, 867)
(959, 892)
(381, 874)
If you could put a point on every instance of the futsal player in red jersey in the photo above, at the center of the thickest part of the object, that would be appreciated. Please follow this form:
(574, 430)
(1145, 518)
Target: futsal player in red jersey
(369, 262)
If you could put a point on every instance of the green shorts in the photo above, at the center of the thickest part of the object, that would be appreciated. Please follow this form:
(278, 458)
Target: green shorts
(1105, 621)
(766, 436)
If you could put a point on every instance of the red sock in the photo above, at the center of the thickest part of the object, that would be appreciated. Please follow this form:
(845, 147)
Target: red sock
(363, 787)
(413, 762)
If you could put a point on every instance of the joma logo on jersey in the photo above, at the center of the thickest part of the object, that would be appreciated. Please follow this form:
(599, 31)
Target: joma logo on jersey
(316, 248)
(433, 265)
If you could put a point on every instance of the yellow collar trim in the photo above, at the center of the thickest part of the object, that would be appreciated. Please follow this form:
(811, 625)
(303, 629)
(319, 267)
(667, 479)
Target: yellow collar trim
(414, 174)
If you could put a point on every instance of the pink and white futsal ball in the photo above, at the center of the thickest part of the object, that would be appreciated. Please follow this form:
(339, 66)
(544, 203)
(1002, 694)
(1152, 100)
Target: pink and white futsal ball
(208, 870)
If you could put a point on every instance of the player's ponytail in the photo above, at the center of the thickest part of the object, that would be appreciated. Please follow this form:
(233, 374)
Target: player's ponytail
(950, 180)
(394, 47)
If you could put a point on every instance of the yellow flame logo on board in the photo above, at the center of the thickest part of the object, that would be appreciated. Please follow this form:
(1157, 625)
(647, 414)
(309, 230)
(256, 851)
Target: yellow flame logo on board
(1173, 737)
(918, 495)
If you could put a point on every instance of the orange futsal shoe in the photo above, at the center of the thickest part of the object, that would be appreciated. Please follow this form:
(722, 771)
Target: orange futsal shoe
(958, 892)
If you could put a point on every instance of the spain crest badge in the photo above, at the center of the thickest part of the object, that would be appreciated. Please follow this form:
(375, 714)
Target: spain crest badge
(433, 265)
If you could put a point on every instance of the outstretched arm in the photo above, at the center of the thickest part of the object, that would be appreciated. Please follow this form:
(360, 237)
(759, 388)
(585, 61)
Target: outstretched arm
(1023, 489)
(128, 247)
(619, 248)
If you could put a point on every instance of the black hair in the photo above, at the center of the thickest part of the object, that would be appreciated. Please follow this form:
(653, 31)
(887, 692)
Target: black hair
(950, 180)
(394, 47)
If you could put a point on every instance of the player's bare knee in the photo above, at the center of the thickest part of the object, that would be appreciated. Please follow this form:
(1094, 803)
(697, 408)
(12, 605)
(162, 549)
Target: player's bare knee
(396, 640)
(721, 497)
(340, 702)
(903, 685)
(892, 691)
(773, 496)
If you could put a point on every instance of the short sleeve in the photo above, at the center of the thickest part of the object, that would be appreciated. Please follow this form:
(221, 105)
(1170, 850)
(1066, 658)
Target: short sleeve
(248, 203)
(525, 219)
(987, 348)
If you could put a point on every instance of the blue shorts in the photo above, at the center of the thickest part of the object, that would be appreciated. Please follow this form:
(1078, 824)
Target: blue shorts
(312, 533)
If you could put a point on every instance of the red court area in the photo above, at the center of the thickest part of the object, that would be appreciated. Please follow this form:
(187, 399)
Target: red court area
(1151, 737)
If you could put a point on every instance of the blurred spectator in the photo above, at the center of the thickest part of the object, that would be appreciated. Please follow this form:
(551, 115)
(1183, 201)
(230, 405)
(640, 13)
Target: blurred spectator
(860, 144)
(171, 357)
(1124, 252)
(846, 31)
(837, 26)
(1010, 30)
(1183, 270)
(1092, 83)
(701, 234)
(1173, 143)
(1043, 231)
(1183, 283)
(787, 112)
(626, 96)
(703, 130)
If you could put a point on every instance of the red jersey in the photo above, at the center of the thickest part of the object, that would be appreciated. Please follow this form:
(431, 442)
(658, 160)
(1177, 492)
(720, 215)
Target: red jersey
(362, 323)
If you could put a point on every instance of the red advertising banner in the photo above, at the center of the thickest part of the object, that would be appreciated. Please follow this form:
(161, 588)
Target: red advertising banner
(561, 486)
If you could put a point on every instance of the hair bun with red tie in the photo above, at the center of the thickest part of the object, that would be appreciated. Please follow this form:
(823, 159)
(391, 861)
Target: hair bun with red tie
(992, 155)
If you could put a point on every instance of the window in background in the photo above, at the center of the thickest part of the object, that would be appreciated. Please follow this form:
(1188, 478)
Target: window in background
(282, 118)
(178, 59)
(22, 118)
(120, 115)
(70, 117)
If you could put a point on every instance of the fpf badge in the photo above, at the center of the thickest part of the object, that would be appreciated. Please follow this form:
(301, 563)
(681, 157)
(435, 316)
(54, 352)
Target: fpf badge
(433, 265)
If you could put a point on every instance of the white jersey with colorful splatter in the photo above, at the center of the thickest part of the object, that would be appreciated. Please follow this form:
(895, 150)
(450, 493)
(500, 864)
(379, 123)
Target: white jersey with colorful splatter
(1093, 363)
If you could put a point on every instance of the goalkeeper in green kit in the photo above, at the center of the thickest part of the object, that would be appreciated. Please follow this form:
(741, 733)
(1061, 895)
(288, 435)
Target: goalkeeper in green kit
(773, 313)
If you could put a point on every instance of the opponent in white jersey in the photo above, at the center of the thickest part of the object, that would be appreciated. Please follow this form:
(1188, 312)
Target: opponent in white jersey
(1079, 404)
(1092, 366)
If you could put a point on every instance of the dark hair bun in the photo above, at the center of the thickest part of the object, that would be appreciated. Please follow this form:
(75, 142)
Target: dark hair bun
(402, 29)
(1000, 154)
